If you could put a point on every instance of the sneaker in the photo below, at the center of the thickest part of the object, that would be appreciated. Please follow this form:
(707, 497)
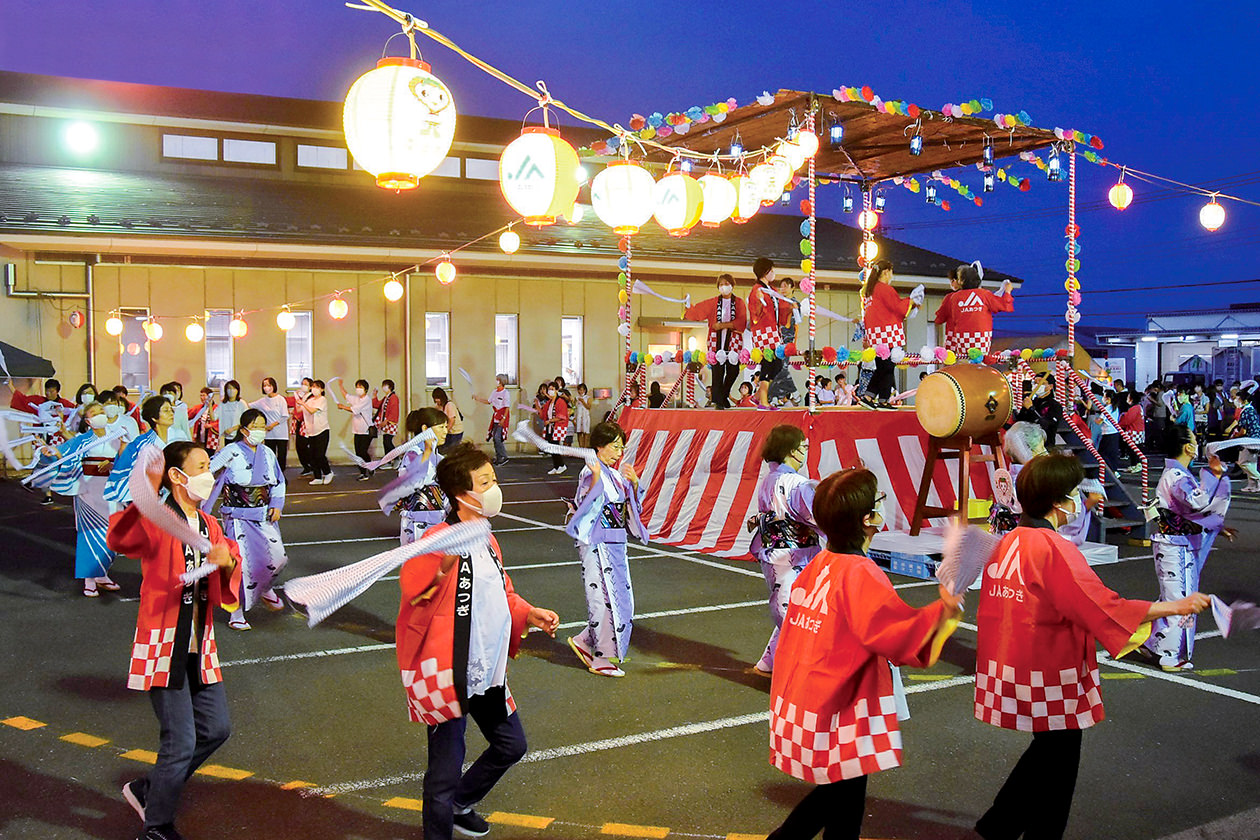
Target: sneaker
(867, 401)
(552, 471)
(560, 470)
(161, 832)
(327, 479)
(47, 501)
(470, 824)
(317, 481)
(135, 797)
(1183, 665)
(364, 477)
(583, 653)
(305, 472)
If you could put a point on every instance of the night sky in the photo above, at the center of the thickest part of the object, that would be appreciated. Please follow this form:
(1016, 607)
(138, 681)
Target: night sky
(1170, 88)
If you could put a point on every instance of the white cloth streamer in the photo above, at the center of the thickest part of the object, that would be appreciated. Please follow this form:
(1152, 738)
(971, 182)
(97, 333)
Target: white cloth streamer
(146, 500)
(202, 571)
(525, 434)
(424, 436)
(967, 548)
(641, 288)
(325, 593)
(109, 437)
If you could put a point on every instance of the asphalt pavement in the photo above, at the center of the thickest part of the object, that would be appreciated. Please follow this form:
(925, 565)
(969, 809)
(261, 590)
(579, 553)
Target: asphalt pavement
(321, 746)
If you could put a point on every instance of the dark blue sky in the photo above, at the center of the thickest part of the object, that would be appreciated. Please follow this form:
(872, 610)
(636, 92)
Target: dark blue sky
(1170, 87)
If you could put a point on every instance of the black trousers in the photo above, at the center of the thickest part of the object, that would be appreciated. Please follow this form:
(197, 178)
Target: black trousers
(303, 445)
(883, 379)
(387, 442)
(836, 809)
(363, 448)
(1037, 797)
(724, 377)
(280, 448)
(317, 453)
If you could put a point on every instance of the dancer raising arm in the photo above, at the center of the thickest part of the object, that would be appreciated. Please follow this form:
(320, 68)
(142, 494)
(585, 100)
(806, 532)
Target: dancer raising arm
(415, 494)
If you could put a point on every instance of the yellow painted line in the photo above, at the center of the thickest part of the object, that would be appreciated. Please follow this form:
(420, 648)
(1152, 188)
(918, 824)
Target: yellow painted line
(404, 803)
(23, 723)
(1124, 676)
(520, 820)
(923, 677)
(1217, 672)
(84, 740)
(628, 830)
(218, 771)
(296, 784)
(147, 756)
(745, 837)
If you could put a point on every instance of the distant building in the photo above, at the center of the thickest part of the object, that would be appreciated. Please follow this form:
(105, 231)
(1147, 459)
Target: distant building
(1212, 344)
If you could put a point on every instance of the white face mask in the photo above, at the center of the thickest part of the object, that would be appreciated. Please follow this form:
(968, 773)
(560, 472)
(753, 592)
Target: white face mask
(1069, 518)
(489, 503)
(255, 436)
(98, 421)
(552, 393)
(87, 398)
(113, 412)
(199, 486)
(360, 391)
(724, 290)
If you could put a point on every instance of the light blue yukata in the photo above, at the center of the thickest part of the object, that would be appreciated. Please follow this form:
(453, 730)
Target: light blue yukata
(606, 510)
(84, 476)
(251, 484)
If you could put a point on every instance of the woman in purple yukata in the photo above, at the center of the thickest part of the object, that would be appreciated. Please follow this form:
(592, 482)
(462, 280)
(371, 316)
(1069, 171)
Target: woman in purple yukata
(415, 493)
(607, 507)
(252, 486)
(1191, 512)
(785, 536)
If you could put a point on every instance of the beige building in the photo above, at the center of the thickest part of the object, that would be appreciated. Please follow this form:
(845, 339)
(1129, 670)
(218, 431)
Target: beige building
(181, 206)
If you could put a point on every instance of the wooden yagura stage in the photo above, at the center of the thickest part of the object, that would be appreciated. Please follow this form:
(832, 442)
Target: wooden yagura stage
(702, 468)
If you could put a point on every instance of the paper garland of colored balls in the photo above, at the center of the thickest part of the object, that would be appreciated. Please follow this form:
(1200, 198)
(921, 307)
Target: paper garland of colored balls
(831, 357)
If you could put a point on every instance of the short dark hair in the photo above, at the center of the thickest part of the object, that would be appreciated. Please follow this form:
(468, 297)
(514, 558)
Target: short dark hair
(174, 456)
(120, 390)
(390, 383)
(151, 408)
(841, 502)
(108, 398)
(1047, 480)
(783, 440)
(439, 397)
(788, 280)
(362, 382)
(1178, 437)
(271, 380)
(762, 266)
(725, 278)
(968, 277)
(52, 383)
(169, 388)
(320, 384)
(248, 416)
(425, 418)
(454, 472)
(606, 433)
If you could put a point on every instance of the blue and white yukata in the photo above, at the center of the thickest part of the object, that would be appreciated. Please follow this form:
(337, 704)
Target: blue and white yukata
(251, 485)
(606, 510)
(785, 539)
(117, 488)
(1191, 514)
(84, 477)
(415, 495)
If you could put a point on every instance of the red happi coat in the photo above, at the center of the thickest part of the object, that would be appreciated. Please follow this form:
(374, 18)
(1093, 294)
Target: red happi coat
(425, 636)
(707, 311)
(161, 563)
(968, 318)
(833, 714)
(763, 316)
(555, 414)
(885, 317)
(1042, 610)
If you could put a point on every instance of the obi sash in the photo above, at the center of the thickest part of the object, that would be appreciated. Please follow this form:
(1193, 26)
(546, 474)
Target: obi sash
(246, 496)
(100, 467)
(1174, 524)
(427, 498)
(777, 533)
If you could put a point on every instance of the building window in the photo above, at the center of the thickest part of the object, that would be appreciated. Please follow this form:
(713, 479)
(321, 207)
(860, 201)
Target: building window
(480, 169)
(505, 358)
(190, 147)
(437, 348)
(571, 350)
(249, 151)
(133, 349)
(297, 349)
(322, 157)
(218, 346)
(449, 168)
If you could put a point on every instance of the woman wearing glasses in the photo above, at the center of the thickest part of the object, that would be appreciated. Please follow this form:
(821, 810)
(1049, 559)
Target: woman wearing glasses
(785, 536)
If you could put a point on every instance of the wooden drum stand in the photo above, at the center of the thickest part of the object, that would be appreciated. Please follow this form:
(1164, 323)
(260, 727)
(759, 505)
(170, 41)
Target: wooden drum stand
(953, 448)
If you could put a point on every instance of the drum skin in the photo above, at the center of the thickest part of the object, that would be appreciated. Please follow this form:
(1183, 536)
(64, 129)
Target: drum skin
(963, 399)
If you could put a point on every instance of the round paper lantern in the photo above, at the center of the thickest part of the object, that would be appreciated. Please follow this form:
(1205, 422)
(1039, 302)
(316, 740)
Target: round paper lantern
(237, 327)
(194, 332)
(718, 200)
(868, 219)
(795, 155)
(621, 196)
(576, 214)
(1120, 196)
(393, 290)
(114, 325)
(153, 330)
(338, 308)
(869, 250)
(783, 170)
(399, 121)
(285, 320)
(538, 174)
(445, 272)
(766, 182)
(808, 141)
(1212, 215)
(133, 349)
(509, 242)
(747, 199)
(76, 319)
(677, 201)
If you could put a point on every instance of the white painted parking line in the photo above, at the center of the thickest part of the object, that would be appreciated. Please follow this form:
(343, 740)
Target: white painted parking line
(570, 750)
(289, 544)
(310, 654)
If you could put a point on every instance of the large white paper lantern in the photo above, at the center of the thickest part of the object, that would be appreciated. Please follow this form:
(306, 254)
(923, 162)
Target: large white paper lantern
(538, 174)
(719, 199)
(766, 181)
(747, 198)
(621, 196)
(678, 201)
(399, 121)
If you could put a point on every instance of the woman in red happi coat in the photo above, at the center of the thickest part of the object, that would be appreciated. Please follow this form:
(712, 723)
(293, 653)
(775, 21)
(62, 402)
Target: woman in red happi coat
(834, 698)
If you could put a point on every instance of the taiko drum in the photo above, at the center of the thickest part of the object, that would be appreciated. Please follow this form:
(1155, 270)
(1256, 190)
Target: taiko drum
(963, 399)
